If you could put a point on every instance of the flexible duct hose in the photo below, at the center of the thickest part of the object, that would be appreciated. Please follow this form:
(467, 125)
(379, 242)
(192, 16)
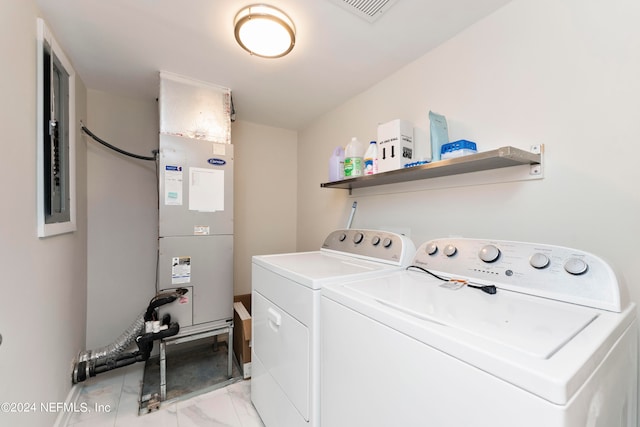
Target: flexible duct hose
(112, 350)
(85, 363)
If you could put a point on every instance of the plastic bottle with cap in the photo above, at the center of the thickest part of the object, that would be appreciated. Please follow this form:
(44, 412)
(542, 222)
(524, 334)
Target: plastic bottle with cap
(353, 159)
(371, 159)
(336, 165)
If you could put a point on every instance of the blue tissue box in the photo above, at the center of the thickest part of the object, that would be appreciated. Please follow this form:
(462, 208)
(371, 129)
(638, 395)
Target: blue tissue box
(458, 149)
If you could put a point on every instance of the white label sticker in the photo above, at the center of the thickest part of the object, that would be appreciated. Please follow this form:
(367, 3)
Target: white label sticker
(180, 270)
(453, 284)
(200, 230)
(173, 185)
(206, 190)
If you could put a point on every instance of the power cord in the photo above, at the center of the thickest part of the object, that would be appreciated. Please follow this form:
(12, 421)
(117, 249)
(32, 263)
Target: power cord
(136, 156)
(489, 289)
(424, 270)
(119, 150)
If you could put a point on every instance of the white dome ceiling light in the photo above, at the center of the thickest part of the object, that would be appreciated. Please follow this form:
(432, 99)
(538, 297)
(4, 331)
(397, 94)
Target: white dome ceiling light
(264, 31)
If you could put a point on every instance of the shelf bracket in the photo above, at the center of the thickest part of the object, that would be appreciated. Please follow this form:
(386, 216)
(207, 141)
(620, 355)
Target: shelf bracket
(536, 168)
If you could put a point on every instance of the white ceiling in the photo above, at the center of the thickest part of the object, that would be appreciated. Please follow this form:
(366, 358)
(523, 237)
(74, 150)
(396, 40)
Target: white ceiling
(120, 46)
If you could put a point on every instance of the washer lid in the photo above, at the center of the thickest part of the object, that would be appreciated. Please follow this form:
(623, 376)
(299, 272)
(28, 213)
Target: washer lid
(546, 347)
(537, 327)
(313, 269)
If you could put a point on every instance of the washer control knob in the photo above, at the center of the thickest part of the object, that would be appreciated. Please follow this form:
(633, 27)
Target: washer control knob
(375, 241)
(539, 260)
(450, 250)
(489, 253)
(431, 248)
(358, 238)
(387, 242)
(575, 266)
(342, 236)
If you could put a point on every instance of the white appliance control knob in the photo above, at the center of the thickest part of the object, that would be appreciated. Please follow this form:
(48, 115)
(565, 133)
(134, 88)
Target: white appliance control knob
(575, 266)
(489, 253)
(342, 237)
(375, 241)
(387, 242)
(539, 260)
(431, 248)
(450, 250)
(358, 238)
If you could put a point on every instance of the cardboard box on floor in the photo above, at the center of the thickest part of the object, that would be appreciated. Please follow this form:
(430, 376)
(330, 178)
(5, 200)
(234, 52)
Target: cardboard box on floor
(242, 332)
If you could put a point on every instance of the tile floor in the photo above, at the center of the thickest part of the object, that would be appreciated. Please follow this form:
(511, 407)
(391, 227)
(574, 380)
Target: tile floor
(111, 400)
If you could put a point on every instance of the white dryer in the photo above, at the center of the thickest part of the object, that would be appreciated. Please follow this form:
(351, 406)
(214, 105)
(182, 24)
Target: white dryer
(285, 317)
(556, 345)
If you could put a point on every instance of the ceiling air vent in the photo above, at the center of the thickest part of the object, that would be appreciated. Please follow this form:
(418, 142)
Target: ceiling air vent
(369, 10)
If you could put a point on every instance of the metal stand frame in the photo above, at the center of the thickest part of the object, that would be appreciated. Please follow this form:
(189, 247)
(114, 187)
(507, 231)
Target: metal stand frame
(226, 329)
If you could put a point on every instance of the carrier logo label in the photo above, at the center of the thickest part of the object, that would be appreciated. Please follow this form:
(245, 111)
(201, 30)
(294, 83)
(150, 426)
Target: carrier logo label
(217, 162)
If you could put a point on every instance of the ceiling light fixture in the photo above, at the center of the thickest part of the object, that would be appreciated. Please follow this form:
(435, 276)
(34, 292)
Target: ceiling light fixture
(264, 31)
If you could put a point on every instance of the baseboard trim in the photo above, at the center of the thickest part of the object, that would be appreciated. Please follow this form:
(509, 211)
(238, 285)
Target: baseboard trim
(64, 416)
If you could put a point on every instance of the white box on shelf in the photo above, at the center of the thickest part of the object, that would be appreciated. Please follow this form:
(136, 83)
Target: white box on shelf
(395, 144)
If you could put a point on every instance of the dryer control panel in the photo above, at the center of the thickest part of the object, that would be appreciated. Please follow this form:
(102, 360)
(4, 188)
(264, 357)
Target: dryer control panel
(555, 272)
(376, 245)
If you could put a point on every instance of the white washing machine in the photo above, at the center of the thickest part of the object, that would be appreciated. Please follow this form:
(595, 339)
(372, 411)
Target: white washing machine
(555, 345)
(285, 317)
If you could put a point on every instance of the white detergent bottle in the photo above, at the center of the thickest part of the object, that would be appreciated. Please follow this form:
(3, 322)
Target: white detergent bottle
(371, 159)
(353, 159)
(336, 164)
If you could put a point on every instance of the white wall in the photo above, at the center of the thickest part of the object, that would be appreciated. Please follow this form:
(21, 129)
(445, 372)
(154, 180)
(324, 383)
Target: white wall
(42, 310)
(265, 195)
(123, 214)
(562, 73)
